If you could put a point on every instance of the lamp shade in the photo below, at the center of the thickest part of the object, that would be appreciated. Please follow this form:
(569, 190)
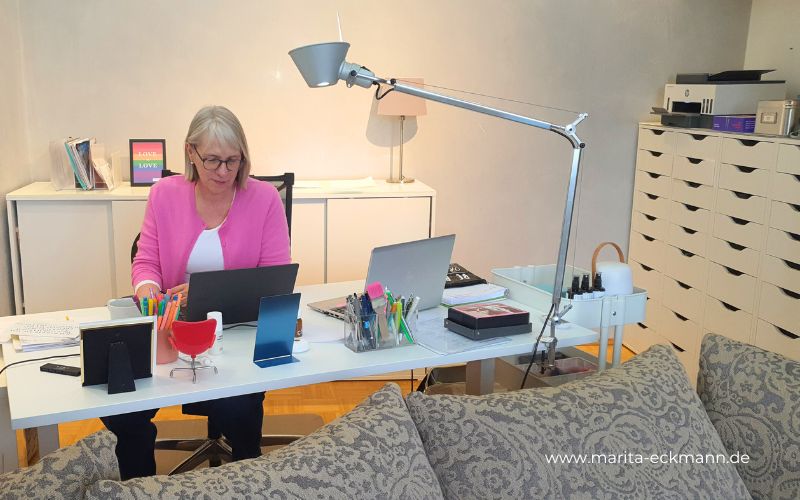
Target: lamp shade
(398, 104)
(319, 63)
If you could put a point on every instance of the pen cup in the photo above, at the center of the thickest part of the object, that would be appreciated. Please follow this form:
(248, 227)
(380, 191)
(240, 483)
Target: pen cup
(369, 332)
(165, 350)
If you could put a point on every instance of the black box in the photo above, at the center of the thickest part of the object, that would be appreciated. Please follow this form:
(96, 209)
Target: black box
(487, 333)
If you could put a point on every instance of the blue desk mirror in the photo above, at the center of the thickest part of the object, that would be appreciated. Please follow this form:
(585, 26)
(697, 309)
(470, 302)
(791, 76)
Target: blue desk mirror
(277, 319)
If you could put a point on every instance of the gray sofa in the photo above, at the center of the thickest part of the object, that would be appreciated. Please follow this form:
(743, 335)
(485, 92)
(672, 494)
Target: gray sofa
(630, 424)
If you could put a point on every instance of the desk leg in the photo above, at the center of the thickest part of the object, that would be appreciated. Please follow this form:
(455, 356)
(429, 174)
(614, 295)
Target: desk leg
(40, 441)
(617, 346)
(480, 377)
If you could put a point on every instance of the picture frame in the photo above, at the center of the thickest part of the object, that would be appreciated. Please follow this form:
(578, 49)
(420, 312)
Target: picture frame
(148, 160)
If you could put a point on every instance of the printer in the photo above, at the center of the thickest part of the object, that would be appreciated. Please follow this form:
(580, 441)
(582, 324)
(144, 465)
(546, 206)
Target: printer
(694, 98)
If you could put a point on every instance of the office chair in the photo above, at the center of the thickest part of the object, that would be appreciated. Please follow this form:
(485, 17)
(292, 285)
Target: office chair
(177, 437)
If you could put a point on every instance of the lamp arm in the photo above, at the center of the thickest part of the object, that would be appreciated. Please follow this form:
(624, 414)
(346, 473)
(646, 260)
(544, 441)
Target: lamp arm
(359, 75)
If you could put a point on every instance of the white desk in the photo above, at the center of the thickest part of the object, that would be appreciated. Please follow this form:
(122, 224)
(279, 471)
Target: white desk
(42, 399)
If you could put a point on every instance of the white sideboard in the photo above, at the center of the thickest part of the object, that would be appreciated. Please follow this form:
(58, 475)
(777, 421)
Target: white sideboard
(71, 249)
(715, 239)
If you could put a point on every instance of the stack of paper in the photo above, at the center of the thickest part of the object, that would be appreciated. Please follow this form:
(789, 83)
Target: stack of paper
(474, 293)
(35, 336)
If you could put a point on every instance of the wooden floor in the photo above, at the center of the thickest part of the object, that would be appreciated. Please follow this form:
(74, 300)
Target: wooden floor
(329, 400)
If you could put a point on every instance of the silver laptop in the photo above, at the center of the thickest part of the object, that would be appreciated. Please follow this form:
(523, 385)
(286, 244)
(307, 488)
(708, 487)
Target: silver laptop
(413, 268)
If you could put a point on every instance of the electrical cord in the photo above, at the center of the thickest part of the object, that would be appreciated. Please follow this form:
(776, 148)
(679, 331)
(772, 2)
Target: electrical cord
(536, 346)
(239, 325)
(37, 359)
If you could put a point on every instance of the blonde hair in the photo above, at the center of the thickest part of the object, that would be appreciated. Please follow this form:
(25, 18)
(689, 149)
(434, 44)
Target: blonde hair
(220, 124)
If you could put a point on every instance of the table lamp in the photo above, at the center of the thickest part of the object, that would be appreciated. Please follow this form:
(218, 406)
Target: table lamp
(402, 105)
(324, 64)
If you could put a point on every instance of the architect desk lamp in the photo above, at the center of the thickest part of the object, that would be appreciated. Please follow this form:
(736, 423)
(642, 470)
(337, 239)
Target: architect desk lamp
(323, 65)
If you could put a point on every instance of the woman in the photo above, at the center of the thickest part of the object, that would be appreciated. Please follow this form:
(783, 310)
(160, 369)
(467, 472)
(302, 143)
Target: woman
(215, 217)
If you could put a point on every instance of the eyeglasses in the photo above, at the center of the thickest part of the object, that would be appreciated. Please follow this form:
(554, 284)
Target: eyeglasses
(212, 164)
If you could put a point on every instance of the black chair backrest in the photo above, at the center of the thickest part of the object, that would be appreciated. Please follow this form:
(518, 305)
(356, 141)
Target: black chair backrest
(283, 183)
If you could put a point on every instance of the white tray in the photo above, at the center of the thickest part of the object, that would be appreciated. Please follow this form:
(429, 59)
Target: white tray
(533, 285)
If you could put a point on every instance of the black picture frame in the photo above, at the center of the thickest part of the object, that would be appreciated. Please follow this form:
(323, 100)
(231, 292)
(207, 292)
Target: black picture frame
(137, 180)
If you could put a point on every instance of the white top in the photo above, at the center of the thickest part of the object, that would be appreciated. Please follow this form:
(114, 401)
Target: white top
(206, 254)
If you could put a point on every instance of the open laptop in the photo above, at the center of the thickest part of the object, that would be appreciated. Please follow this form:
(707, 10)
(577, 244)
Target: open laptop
(413, 268)
(236, 293)
(277, 317)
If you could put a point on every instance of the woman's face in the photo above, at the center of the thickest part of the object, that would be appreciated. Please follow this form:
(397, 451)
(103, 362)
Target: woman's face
(221, 178)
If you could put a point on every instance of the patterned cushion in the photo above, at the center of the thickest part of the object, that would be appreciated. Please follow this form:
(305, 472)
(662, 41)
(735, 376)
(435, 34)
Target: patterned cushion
(753, 399)
(372, 452)
(65, 473)
(496, 446)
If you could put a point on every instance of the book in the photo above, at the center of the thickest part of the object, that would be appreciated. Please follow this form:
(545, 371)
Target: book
(487, 333)
(471, 294)
(487, 315)
(458, 276)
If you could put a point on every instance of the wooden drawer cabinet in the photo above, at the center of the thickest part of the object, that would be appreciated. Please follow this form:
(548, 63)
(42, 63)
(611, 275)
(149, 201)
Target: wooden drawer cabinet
(729, 262)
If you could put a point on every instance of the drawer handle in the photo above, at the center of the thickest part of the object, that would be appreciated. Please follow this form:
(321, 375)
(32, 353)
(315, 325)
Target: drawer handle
(787, 333)
(656, 132)
(686, 253)
(733, 271)
(795, 237)
(794, 266)
(694, 185)
(795, 207)
(655, 153)
(743, 196)
(796, 177)
(694, 161)
(651, 196)
(677, 348)
(736, 247)
(698, 137)
(739, 221)
(729, 307)
(652, 175)
(648, 238)
(682, 318)
(649, 217)
(687, 230)
(747, 142)
(790, 293)
(683, 285)
(691, 208)
(646, 268)
(642, 325)
(746, 170)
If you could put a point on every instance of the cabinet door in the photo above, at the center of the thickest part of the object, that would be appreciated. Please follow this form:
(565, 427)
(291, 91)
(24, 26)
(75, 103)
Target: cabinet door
(356, 226)
(66, 254)
(127, 216)
(308, 240)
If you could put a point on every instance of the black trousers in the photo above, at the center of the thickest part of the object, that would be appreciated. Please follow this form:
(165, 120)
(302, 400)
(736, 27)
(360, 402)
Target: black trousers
(237, 418)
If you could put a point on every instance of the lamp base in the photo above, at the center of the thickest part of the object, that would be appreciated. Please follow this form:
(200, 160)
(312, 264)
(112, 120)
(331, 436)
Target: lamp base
(402, 180)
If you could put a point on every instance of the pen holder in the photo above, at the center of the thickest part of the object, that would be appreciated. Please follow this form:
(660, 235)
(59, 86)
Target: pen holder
(165, 351)
(378, 330)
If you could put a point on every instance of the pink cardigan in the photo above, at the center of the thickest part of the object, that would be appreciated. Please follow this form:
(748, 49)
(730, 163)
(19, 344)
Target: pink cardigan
(255, 233)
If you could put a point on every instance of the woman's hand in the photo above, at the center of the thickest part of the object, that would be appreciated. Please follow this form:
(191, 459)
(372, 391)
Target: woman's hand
(182, 289)
(147, 290)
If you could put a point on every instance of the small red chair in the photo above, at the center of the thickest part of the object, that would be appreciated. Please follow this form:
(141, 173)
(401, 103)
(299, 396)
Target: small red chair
(193, 338)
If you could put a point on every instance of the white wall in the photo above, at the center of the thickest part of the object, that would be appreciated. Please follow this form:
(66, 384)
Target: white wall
(773, 41)
(121, 69)
(14, 160)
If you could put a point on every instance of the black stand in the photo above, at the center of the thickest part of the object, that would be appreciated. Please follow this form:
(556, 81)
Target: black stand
(120, 371)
